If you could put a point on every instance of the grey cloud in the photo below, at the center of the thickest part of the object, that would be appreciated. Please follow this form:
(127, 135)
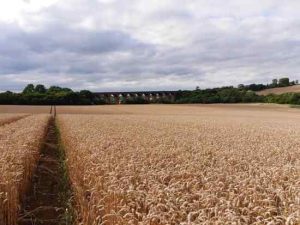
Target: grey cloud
(224, 49)
(61, 49)
(70, 40)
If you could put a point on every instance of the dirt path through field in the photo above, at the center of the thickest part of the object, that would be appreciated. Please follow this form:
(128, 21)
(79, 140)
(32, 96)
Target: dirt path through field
(48, 197)
(12, 120)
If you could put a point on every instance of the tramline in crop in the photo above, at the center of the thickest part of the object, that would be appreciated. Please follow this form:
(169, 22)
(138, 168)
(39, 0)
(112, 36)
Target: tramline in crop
(9, 118)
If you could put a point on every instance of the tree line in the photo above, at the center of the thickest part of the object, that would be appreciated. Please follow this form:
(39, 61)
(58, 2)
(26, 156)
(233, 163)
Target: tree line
(40, 95)
(241, 94)
(54, 95)
(234, 95)
(282, 82)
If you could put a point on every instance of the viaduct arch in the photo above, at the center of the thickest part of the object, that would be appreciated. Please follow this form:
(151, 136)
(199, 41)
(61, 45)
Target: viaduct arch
(151, 96)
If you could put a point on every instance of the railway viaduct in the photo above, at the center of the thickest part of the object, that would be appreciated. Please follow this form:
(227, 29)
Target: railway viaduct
(151, 96)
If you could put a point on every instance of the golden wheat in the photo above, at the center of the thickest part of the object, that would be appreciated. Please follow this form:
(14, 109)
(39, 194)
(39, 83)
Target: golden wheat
(179, 169)
(6, 118)
(20, 143)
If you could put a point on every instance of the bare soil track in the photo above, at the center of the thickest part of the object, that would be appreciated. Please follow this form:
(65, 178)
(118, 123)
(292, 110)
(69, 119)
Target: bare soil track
(12, 120)
(45, 202)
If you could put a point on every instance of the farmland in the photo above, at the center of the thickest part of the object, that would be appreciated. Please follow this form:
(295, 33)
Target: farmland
(19, 151)
(170, 164)
(152, 109)
(9, 118)
(281, 90)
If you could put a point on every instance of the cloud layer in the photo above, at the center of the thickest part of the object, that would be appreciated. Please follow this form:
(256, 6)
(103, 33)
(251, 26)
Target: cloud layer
(113, 45)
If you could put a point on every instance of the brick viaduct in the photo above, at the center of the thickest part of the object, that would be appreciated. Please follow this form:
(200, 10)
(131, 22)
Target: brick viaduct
(120, 97)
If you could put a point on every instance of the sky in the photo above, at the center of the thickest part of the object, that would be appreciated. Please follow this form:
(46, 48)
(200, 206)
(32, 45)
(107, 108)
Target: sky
(134, 45)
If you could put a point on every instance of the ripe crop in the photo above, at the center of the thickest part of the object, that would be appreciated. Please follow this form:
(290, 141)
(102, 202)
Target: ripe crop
(20, 143)
(8, 118)
(184, 169)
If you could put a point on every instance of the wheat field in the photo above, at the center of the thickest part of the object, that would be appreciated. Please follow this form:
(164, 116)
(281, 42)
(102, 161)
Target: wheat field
(6, 118)
(189, 166)
(20, 144)
(162, 164)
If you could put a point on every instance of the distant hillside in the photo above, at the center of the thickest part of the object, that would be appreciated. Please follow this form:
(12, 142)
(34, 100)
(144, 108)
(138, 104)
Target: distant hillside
(280, 90)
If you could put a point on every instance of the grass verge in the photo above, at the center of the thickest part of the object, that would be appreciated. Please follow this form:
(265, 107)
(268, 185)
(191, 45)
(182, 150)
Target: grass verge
(295, 106)
(66, 194)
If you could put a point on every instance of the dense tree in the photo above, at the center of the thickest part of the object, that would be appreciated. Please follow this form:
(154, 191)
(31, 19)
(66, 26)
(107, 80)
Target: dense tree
(40, 89)
(256, 87)
(56, 89)
(284, 82)
(86, 94)
(274, 83)
(286, 98)
(241, 86)
(39, 95)
(29, 89)
(218, 95)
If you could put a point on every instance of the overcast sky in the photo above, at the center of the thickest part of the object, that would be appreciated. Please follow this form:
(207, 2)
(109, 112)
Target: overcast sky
(109, 45)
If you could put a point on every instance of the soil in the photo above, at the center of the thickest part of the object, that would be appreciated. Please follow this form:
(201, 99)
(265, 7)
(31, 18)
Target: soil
(45, 202)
